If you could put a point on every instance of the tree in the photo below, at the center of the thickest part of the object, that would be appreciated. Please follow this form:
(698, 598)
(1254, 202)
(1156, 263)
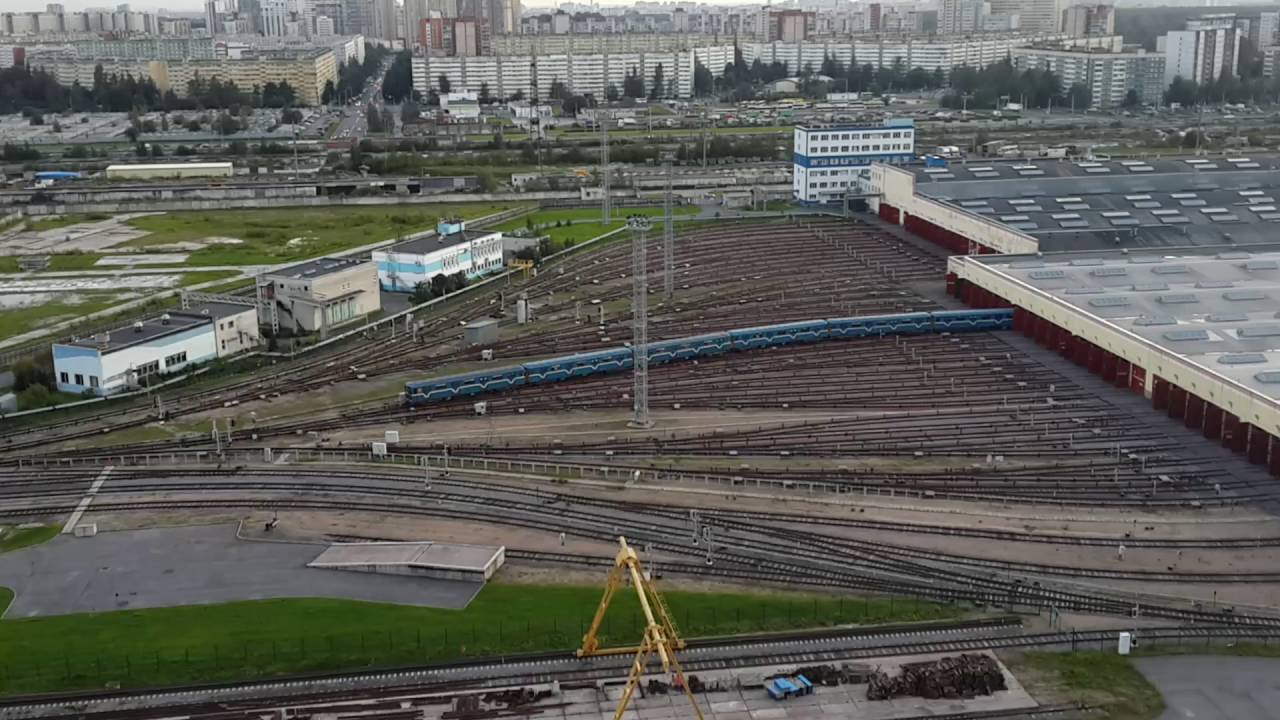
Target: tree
(1079, 97)
(559, 91)
(131, 132)
(409, 111)
(1183, 92)
(193, 125)
(703, 81)
(422, 292)
(633, 84)
(485, 97)
(27, 373)
(290, 116)
(327, 95)
(227, 125)
(1131, 99)
(397, 85)
(612, 93)
(164, 122)
(373, 119)
(575, 103)
(656, 91)
(443, 83)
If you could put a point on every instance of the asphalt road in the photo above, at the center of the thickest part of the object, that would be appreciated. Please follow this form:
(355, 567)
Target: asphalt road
(1216, 688)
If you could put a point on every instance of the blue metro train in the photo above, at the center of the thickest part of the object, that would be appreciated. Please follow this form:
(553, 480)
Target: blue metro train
(421, 392)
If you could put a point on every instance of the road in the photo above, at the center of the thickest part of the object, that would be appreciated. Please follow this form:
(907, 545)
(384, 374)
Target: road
(353, 124)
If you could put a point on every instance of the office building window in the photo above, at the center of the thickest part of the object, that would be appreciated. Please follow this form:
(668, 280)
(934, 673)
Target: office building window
(65, 378)
(175, 359)
(148, 368)
(93, 381)
(79, 379)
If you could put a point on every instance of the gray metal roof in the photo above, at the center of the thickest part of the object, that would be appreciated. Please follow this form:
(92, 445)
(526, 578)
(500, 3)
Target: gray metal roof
(431, 243)
(143, 331)
(1180, 202)
(317, 268)
(1219, 308)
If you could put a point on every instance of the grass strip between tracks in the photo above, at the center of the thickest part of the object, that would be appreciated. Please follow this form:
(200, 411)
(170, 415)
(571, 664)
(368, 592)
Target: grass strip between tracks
(244, 640)
(15, 538)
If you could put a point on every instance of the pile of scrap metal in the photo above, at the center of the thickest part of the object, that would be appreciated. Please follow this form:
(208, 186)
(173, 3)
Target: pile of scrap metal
(961, 676)
(502, 703)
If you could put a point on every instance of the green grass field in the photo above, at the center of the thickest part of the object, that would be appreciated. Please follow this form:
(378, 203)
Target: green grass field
(60, 221)
(13, 538)
(204, 276)
(17, 321)
(271, 637)
(75, 261)
(583, 223)
(274, 236)
(1097, 678)
(9, 264)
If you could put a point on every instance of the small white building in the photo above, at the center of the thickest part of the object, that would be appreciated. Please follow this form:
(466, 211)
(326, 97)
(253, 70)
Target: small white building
(235, 326)
(149, 171)
(317, 295)
(451, 250)
(111, 362)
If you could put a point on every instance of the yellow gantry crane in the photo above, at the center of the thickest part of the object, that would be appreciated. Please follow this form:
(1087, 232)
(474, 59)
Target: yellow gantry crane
(660, 635)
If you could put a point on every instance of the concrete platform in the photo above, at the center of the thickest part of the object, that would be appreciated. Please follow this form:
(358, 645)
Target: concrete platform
(472, 563)
(740, 698)
(1215, 687)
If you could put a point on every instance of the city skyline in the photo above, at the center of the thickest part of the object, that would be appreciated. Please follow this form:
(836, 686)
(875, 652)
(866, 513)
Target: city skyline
(197, 6)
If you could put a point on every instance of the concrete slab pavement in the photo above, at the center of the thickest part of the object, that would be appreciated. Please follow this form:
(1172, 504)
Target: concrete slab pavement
(1215, 687)
(161, 567)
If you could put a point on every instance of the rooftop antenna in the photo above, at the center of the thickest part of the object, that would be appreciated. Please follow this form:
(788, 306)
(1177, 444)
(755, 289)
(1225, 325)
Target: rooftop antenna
(639, 226)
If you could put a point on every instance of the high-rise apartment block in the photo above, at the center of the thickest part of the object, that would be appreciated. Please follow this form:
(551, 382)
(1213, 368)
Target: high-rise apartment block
(1209, 48)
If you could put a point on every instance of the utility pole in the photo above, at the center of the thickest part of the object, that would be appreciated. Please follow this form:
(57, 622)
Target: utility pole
(704, 137)
(606, 207)
(535, 121)
(639, 226)
(295, 152)
(668, 241)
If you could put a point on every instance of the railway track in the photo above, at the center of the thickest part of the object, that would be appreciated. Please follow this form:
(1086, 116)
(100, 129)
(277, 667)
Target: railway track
(750, 549)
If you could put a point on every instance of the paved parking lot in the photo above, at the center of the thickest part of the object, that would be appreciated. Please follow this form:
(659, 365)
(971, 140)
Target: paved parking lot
(1216, 688)
(162, 567)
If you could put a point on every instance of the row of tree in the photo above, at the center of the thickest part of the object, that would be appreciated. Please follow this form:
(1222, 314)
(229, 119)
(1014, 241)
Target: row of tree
(22, 88)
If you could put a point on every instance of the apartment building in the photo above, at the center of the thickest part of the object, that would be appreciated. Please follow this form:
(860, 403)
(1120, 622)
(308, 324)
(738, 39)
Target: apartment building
(1108, 75)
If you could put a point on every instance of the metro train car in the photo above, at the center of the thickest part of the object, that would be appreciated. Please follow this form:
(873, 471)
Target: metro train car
(775, 335)
(972, 320)
(616, 359)
(580, 365)
(666, 351)
(876, 325)
(472, 383)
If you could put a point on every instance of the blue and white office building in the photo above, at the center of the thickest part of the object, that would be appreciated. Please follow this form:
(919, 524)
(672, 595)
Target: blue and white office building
(827, 161)
(450, 250)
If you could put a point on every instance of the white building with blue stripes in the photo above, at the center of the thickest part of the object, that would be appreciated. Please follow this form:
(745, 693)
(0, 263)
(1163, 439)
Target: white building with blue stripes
(451, 250)
(827, 161)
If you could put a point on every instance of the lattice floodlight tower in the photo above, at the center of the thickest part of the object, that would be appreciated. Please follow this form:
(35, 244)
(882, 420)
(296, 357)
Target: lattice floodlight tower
(668, 240)
(660, 634)
(639, 226)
